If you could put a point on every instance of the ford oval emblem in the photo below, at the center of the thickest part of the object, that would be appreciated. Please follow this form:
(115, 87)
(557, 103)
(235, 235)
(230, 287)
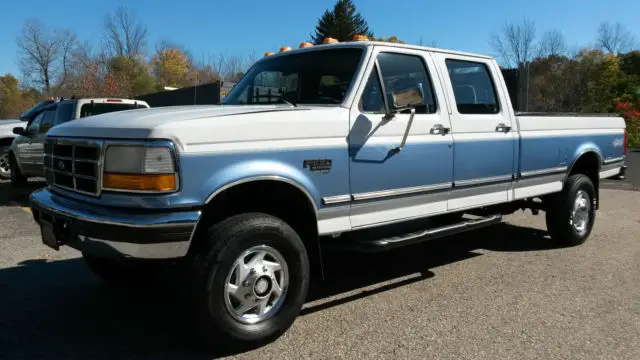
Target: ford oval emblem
(61, 165)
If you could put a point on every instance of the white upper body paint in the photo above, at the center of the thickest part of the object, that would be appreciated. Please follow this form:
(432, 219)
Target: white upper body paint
(220, 128)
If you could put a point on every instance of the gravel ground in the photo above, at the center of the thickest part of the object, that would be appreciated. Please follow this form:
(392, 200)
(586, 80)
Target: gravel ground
(504, 292)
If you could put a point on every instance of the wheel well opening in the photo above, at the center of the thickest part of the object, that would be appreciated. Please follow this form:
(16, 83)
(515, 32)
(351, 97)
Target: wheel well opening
(5, 142)
(588, 164)
(272, 197)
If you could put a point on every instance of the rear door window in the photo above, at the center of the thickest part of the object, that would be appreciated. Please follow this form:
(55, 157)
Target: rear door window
(473, 87)
(90, 109)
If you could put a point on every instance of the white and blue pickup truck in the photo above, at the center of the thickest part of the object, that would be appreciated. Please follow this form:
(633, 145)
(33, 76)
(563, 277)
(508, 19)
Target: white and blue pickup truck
(367, 144)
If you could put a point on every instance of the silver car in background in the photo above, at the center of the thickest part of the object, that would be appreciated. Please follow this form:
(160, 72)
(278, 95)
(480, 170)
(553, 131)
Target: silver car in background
(27, 149)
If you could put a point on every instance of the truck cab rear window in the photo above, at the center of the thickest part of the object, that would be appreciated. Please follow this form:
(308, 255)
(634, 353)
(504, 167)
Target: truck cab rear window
(472, 87)
(102, 108)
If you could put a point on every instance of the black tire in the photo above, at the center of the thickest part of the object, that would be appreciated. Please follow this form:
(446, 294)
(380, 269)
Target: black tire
(124, 273)
(5, 163)
(224, 243)
(18, 180)
(559, 212)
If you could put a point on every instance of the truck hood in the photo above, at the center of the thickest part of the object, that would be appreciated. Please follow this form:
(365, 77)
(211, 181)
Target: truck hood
(198, 125)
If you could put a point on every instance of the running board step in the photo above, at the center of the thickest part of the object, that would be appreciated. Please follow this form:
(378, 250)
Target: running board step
(381, 244)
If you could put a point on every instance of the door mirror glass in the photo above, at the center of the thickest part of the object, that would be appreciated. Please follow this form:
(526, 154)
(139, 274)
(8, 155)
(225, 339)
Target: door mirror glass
(407, 98)
(18, 130)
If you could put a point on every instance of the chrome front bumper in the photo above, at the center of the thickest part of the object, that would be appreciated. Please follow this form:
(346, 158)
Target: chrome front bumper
(104, 231)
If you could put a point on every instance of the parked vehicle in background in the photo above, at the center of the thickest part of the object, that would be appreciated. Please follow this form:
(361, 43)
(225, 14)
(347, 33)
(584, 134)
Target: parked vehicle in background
(369, 145)
(25, 157)
(6, 138)
(7, 135)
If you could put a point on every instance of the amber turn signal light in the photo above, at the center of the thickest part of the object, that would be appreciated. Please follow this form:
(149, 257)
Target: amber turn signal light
(155, 182)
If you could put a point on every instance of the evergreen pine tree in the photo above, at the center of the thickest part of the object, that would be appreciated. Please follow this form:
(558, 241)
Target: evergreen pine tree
(343, 23)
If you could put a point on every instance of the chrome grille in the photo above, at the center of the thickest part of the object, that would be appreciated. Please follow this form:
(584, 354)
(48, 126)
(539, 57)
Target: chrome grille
(73, 165)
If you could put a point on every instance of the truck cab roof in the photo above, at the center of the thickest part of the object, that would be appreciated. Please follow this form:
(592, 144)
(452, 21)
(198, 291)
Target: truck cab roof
(368, 43)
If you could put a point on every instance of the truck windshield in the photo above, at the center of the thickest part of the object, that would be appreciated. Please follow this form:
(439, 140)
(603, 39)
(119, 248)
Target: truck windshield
(316, 77)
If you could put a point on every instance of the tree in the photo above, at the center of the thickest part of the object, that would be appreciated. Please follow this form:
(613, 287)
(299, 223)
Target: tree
(124, 34)
(433, 43)
(552, 44)
(171, 67)
(128, 77)
(391, 39)
(515, 42)
(342, 23)
(45, 55)
(615, 38)
(630, 63)
(10, 97)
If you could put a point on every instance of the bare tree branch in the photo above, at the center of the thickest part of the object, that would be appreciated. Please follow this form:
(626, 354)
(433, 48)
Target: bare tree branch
(67, 42)
(124, 34)
(552, 44)
(45, 55)
(514, 43)
(615, 38)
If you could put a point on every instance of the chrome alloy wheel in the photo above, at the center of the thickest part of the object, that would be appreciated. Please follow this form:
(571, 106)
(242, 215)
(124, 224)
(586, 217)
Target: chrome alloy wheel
(256, 285)
(580, 215)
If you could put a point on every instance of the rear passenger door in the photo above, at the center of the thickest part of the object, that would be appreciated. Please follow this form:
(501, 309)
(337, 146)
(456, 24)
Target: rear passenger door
(388, 186)
(483, 136)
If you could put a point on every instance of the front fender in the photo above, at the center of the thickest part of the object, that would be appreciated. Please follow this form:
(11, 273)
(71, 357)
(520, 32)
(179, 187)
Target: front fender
(253, 170)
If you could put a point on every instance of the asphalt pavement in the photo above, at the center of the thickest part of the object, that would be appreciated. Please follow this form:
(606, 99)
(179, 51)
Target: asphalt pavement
(505, 292)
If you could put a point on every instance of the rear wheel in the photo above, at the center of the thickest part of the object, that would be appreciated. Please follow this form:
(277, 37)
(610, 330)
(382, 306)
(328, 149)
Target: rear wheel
(250, 280)
(17, 178)
(571, 213)
(5, 166)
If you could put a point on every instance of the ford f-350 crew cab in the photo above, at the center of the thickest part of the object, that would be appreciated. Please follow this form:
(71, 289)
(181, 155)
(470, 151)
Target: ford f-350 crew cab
(314, 144)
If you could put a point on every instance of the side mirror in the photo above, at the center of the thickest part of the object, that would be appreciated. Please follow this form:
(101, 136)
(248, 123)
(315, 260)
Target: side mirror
(407, 99)
(18, 130)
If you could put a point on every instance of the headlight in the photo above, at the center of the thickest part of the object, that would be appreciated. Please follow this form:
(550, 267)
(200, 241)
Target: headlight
(139, 168)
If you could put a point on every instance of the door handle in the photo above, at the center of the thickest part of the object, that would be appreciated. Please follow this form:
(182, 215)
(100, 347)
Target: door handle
(503, 128)
(439, 129)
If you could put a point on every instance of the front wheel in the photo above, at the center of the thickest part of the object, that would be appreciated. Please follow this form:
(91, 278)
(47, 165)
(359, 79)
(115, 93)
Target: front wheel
(18, 179)
(5, 165)
(251, 278)
(571, 213)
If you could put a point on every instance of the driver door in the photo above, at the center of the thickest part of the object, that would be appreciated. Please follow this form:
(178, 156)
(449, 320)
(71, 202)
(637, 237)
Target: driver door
(387, 185)
(24, 145)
